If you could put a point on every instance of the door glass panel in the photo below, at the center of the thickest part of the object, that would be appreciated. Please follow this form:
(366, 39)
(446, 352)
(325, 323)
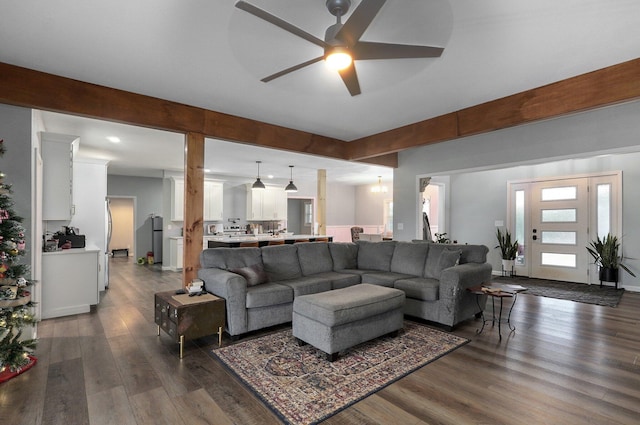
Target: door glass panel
(308, 213)
(559, 193)
(603, 209)
(567, 215)
(558, 260)
(519, 226)
(562, 238)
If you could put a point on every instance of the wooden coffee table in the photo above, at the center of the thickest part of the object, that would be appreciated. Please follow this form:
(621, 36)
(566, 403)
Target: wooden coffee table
(500, 291)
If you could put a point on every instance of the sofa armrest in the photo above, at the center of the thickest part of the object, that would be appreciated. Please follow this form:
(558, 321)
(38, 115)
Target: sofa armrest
(454, 281)
(233, 288)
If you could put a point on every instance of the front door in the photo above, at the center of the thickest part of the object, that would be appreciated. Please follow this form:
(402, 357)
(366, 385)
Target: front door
(555, 219)
(559, 230)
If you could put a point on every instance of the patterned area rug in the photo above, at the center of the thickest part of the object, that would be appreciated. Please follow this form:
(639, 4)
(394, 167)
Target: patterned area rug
(579, 292)
(301, 387)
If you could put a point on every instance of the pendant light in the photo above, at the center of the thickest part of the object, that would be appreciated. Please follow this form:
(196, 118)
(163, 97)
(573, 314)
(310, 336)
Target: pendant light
(379, 188)
(291, 187)
(258, 184)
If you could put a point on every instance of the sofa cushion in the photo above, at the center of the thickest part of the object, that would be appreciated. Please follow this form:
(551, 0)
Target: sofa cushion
(254, 274)
(472, 253)
(307, 285)
(344, 255)
(314, 258)
(344, 280)
(419, 288)
(383, 278)
(230, 258)
(440, 257)
(268, 294)
(280, 262)
(375, 255)
(409, 258)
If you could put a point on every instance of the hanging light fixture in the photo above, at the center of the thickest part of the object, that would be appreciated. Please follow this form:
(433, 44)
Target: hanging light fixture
(379, 188)
(291, 187)
(258, 184)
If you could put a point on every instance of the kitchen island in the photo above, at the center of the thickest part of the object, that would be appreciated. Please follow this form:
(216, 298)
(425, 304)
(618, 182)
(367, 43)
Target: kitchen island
(263, 240)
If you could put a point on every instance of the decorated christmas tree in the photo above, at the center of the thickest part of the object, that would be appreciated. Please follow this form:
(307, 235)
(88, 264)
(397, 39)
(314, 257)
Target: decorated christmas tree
(16, 307)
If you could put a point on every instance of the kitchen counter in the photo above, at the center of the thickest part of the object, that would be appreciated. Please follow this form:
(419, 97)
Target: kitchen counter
(263, 240)
(72, 251)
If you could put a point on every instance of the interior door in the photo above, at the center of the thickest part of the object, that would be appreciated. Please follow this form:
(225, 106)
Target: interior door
(559, 230)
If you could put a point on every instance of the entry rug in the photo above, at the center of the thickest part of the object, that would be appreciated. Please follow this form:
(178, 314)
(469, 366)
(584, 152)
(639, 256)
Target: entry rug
(578, 292)
(301, 387)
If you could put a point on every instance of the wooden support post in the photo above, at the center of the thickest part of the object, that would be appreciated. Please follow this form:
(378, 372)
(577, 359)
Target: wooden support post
(321, 213)
(193, 205)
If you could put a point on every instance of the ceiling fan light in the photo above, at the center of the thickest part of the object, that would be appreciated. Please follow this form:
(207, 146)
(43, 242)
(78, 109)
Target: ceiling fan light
(338, 59)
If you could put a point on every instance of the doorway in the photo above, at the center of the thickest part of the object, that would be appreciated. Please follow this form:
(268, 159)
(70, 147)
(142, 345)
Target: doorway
(300, 216)
(555, 219)
(122, 224)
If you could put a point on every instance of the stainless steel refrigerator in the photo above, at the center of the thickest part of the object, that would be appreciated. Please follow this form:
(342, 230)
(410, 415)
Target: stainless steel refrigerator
(156, 239)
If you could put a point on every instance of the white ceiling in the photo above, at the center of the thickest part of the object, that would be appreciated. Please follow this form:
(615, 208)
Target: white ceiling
(212, 55)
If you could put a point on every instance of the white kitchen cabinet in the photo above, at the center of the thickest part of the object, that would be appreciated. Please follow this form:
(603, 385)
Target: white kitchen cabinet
(213, 198)
(177, 199)
(69, 281)
(57, 175)
(267, 204)
(212, 202)
(176, 246)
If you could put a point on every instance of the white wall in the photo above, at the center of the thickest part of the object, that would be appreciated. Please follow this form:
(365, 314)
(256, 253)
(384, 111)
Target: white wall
(480, 166)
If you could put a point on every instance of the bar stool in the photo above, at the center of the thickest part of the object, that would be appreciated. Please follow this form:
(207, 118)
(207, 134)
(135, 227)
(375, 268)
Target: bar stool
(301, 240)
(322, 239)
(276, 242)
(249, 244)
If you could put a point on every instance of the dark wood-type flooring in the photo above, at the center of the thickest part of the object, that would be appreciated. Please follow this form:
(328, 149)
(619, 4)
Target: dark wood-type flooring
(566, 363)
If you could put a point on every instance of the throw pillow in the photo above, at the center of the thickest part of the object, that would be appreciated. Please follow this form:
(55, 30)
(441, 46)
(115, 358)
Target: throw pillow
(448, 258)
(254, 274)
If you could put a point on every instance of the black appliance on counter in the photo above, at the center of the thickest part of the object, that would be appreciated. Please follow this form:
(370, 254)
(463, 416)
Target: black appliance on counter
(69, 235)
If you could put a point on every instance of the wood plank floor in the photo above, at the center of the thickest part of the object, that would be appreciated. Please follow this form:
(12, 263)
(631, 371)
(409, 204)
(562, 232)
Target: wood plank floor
(566, 363)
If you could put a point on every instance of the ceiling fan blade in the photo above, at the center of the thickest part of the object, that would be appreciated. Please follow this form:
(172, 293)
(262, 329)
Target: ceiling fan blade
(364, 50)
(293, 68)
(272, 19)
(350, 79)
(359, 21)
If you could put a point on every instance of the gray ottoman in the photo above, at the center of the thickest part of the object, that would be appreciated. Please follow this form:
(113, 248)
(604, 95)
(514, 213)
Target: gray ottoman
(335, 320)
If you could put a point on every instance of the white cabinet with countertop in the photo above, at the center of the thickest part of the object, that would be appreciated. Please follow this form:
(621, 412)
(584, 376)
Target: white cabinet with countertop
(69, 281)
(212, 200)
(57, 175)
(266, 204)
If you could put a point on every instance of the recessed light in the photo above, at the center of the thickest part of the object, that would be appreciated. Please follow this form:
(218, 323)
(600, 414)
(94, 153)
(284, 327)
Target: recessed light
(270, 176)
(113, 139)
(207, 170)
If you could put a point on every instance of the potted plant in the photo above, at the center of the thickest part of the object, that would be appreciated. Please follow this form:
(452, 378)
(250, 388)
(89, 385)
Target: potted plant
(605, 252)
(508, 249)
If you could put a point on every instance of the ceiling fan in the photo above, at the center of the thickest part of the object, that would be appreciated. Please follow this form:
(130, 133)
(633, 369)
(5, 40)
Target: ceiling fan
(342, 45)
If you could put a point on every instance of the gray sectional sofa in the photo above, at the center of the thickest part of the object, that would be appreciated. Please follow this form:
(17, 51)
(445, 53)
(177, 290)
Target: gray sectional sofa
(260, 284)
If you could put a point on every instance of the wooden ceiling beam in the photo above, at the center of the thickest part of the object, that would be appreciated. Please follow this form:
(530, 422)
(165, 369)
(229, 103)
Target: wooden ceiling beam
(607, 86)
(39, 90)
(34, 89)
